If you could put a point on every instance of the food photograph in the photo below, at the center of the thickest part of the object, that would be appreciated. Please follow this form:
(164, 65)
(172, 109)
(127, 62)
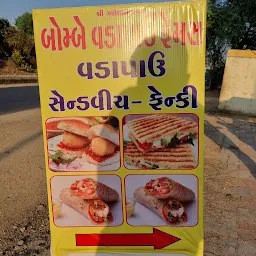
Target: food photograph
(79, 201)
(83, 144)
(161, 141)
(162, 200)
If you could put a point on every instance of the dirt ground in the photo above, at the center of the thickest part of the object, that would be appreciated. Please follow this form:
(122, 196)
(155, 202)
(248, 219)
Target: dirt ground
(230, 189)
(8, 67)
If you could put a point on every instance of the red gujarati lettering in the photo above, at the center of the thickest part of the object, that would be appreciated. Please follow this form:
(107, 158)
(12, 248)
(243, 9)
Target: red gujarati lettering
(53, 21)
(166, 36)
(180, 35)
(183, 33)
(149, 42)
(176, 35)
(179, 32)
(110, 34)
(108, 37)
(76, 39)
(118, 37)
(48, 40)
(97, 35)
(195, 28)
(56, 40)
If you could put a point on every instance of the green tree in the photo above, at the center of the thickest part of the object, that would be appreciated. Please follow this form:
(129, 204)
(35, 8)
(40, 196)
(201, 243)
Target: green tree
(230, 24)
(242, 24)
(217, 43)
(21, 43)
(25, 23)
(4, 25)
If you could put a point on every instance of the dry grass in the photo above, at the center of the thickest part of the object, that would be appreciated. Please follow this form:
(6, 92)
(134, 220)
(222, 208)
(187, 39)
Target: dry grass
(8, 67)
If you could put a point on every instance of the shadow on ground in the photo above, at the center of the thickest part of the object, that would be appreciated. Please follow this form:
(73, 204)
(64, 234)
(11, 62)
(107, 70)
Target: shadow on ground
(18, 98)
(19, 145)
(236, 134)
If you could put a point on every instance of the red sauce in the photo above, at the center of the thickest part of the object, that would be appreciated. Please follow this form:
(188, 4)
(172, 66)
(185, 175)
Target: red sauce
(52, 125)
(63, 146)
(99, 159)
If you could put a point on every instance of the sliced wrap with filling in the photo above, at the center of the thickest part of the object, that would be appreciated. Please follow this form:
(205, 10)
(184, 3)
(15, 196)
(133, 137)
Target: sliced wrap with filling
(94, 210)
(166, 188)
(89, 188)
(172, 211)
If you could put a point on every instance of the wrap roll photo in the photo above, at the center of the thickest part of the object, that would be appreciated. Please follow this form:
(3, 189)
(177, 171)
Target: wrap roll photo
(172, 197)
(95, 210)
(172, 211)
(91, 189)
(92, 199)
(164, 188)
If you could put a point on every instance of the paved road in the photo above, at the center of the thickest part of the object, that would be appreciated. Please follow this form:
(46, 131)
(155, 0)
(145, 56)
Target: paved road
(22, 177)
(15, 98)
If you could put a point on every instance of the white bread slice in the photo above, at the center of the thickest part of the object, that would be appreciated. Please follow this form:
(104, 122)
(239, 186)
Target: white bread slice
(104, 131)
(74, 126)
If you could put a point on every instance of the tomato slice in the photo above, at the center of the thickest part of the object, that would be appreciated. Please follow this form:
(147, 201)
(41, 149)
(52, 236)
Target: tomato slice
(161, 186)
(84, 188)
(149, 184)
(145, 145)
(74, 186)
(98, 220)
(184, 217)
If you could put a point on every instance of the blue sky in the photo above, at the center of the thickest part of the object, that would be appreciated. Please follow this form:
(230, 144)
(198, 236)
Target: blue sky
(11, 9)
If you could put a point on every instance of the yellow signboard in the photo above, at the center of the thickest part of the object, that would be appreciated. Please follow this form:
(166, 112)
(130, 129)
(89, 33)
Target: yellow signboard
(122, 99)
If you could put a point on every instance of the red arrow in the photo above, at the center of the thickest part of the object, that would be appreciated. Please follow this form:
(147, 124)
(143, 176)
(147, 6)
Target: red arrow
(158, 239)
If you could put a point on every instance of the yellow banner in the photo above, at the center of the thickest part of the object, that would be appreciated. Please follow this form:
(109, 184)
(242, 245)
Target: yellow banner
(122, 99)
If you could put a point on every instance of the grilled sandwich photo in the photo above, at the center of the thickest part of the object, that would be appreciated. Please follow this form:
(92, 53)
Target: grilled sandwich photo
(180, 157)
(161, 131)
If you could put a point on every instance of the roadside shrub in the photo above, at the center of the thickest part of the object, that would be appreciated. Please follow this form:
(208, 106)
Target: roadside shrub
(17, 57)
(27, 67)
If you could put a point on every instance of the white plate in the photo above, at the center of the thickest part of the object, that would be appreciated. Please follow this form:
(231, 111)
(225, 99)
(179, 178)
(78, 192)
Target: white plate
(70, 217)
(143, 216)
(126, 138)
(80, 164)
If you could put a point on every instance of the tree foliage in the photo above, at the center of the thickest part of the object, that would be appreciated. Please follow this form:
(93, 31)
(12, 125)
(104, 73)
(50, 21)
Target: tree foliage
(4, 25)
(25, 23)
(23, 43)
(17, 42)
(230, 24)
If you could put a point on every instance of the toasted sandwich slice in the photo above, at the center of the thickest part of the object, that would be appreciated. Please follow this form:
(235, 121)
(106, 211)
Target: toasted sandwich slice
(180, 157)
(161, 131)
